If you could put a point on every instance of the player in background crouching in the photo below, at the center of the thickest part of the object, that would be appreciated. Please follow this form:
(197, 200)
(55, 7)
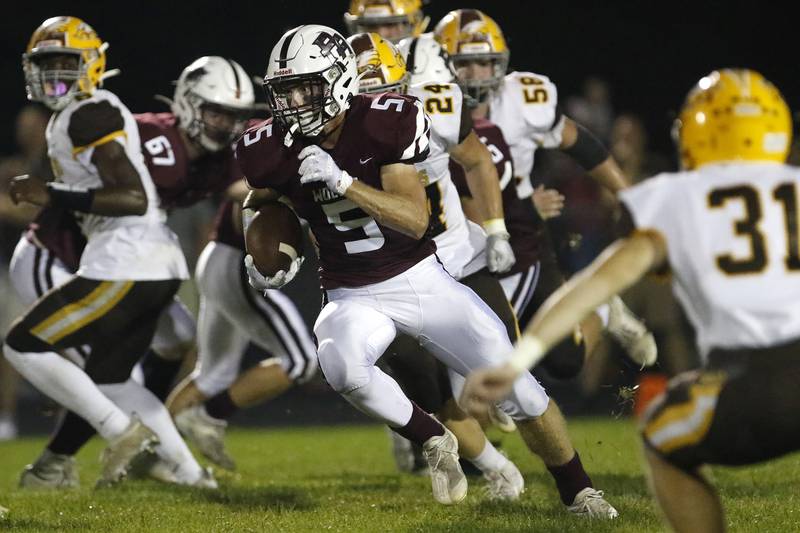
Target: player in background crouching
(732, 251)
(232, 313)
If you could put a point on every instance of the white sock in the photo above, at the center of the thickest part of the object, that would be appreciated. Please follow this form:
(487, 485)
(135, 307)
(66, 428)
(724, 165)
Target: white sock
(68, 385)
(489, 460)
(133, 398)
(603, 311)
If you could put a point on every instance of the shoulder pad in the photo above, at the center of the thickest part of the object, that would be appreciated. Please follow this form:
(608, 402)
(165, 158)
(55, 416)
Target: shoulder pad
(443, 102)
(535, 96)
(260, 151)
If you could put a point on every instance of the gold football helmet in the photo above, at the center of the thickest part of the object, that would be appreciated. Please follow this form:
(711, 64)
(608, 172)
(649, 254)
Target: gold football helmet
(733, 115)
(378, 15)
(65, 58)
(469, 35)
(381, 67)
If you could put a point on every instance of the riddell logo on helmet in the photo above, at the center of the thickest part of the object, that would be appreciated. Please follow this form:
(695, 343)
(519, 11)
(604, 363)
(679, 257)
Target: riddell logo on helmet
(284, 71)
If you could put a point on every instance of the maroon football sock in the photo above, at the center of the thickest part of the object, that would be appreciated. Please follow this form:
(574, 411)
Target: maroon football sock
(420, 427)
(221, 406)
(570, 478)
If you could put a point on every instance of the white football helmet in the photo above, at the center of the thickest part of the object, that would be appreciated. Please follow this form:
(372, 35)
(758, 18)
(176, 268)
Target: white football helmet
(311, 77)
(213, 99)
(426, 60)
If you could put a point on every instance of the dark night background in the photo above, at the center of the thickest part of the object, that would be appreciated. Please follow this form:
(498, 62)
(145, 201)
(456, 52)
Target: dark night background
(650, 52)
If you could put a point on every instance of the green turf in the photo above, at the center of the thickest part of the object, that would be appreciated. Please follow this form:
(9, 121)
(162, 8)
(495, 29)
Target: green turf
(343, 479)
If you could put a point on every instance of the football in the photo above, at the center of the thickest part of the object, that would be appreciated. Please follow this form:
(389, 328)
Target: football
(274, 238)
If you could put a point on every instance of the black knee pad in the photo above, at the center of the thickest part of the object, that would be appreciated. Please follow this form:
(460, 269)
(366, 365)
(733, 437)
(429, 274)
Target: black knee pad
(565, 361)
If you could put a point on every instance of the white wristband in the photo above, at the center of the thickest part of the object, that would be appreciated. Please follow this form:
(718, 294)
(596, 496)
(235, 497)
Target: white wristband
(495, 225)
(527, 353)
(344, 183)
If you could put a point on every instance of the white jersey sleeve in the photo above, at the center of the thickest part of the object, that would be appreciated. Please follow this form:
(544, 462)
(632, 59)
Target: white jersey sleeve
(732, 246)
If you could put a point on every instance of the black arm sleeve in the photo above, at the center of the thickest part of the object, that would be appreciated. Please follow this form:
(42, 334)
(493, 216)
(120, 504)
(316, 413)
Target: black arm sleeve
(588, 151)
(466, 122)
(92, 122)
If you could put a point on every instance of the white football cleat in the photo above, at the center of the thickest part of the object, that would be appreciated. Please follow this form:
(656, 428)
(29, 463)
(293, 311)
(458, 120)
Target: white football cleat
(3, 512)
(207, 433)
(116, 458)
(590, 503)
(630, 332)
(50, 471)
(504, 484)
(447, 479)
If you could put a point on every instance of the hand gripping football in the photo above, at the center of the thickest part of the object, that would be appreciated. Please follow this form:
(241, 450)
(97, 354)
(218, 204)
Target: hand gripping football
(274, 238)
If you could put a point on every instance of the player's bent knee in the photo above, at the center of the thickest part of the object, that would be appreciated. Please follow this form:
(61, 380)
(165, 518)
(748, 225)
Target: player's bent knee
(527, 399)
(343, 372)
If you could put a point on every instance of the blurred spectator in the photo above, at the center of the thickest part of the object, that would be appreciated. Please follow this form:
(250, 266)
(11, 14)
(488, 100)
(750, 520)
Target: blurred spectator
(31, 158)
(628, 145)
(593, 107)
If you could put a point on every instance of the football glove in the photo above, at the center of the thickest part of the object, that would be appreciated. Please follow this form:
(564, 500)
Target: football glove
(261, 282)
(318, 165)
(499, 255)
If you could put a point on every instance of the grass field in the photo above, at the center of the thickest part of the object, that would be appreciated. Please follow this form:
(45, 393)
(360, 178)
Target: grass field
(343, 479)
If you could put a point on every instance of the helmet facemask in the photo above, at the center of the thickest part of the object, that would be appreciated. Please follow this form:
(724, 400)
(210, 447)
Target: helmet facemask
(480, 89)
(214, 126)
(55, 78)
(315, 91)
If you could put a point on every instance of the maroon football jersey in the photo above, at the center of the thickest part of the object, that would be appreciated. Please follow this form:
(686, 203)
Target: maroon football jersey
(523, 223)
(180, 182)
(56, 229)
(354, 250)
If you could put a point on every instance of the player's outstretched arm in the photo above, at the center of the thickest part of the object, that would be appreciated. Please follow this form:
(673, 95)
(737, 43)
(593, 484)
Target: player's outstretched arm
(589, 152)
(621, 265)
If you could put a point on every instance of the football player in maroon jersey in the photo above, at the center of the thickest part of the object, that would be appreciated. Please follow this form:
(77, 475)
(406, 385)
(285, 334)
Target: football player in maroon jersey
(345, 162)
(188, 156)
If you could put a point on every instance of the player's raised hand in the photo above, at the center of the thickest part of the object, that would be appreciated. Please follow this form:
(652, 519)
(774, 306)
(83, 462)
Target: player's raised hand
(29, 189)
(486, 387)
(548, 202)
(318, 165)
